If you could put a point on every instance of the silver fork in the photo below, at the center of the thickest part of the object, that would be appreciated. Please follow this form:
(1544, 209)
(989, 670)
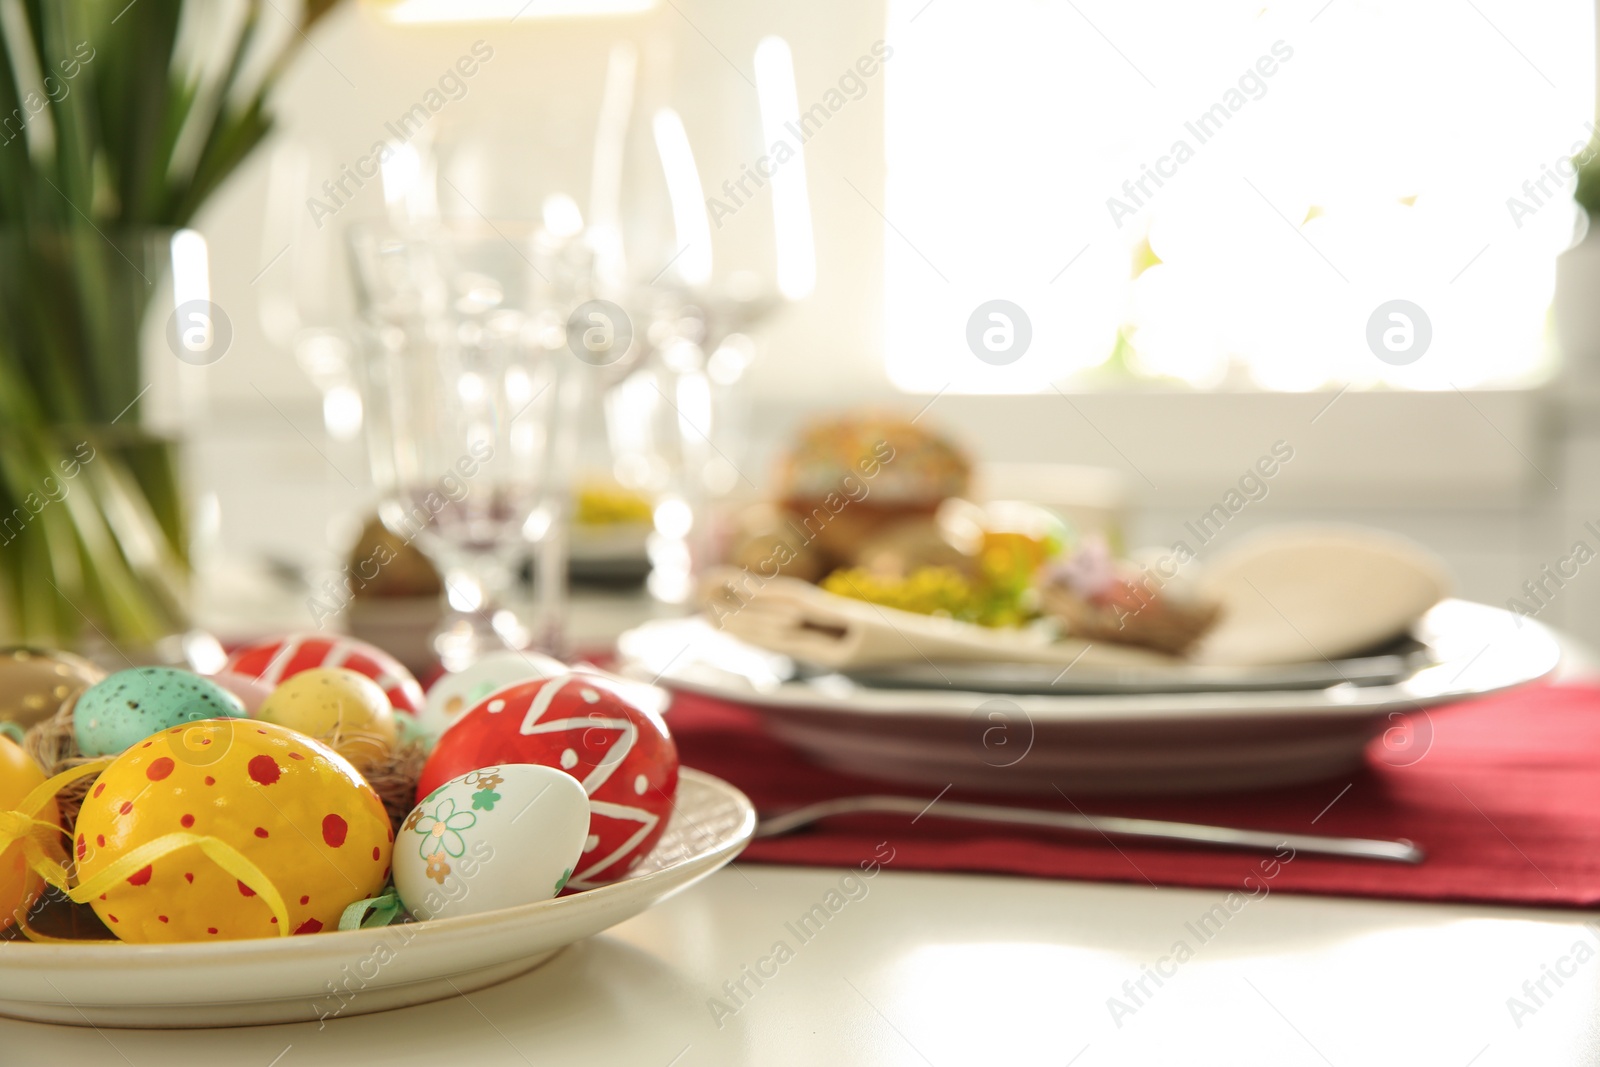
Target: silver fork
(1401, 851)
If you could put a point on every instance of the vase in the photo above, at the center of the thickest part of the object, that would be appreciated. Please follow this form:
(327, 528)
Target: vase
(92, 523)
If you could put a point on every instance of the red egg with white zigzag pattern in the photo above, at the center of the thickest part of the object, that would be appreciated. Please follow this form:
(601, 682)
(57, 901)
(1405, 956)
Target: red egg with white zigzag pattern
(278, 658)
(623, 757)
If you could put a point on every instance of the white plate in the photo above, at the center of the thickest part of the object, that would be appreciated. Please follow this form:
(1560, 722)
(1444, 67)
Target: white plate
(1050, 680)
(298, 979)
(1146, 742)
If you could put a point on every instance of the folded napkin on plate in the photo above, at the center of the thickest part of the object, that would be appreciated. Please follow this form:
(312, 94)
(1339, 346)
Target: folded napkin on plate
(1298, 594)
(809, 624)
(1289, 595)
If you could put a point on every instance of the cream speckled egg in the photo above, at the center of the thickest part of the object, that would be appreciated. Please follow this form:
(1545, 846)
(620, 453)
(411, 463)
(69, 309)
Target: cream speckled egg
(493, 838)
(343, 709)
(453, 695)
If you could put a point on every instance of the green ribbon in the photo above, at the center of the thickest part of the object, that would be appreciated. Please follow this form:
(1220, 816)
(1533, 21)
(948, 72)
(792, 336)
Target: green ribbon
(384, 909)
(412, 731)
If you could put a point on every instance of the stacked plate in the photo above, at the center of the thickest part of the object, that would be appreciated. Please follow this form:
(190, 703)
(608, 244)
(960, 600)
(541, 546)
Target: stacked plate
(1210, 724)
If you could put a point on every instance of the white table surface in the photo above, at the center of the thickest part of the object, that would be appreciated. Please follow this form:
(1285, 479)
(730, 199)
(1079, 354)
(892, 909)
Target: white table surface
(934, 970)
(948, 970)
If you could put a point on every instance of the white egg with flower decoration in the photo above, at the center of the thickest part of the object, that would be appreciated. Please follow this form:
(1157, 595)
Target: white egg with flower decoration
(495, 837)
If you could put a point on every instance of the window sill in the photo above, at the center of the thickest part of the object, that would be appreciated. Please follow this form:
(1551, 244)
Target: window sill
(1403, 450)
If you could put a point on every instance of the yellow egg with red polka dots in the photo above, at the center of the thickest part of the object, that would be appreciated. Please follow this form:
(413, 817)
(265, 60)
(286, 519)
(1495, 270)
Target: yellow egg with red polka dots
(290, 806)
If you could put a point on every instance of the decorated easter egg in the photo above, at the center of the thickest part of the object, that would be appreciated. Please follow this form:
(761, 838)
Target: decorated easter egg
(279, 658)
(244, 812)
(252, 692)
(34, 682)
(621, 754)
(19, 885)
(494, 838)
(344, 710)
(130, 705)
(457, 693)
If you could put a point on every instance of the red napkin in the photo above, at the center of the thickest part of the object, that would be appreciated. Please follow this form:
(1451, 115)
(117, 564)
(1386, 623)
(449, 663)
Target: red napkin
(1505, 801)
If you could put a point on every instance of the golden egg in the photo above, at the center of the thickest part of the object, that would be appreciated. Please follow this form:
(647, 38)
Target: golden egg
(35, 682)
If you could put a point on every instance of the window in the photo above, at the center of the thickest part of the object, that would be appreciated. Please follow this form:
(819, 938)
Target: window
(1229, 194)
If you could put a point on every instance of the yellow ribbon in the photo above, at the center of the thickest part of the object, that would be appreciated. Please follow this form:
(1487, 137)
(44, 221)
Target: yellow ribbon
(46, 790)
(216, 850)
(15, 826)
(23, 824)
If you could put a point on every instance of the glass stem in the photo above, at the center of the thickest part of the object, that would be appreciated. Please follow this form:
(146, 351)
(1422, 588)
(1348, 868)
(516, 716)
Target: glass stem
(476, 619)
(550, 591)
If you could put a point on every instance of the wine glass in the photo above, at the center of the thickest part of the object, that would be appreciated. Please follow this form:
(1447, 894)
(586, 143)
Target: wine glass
(464, 370)
(305, 305)
(698, 273)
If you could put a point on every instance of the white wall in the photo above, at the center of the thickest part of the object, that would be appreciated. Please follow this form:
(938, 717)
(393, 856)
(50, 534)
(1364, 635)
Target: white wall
(539, 95)
(1465, 475)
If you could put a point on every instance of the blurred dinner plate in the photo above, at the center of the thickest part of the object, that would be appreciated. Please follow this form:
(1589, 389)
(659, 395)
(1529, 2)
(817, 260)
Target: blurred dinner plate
(300, 979)
(1383, 667)
(1181, 739)
(613, 556)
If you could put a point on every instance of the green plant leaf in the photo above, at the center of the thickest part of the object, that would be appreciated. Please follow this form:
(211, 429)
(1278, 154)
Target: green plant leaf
(74, 289)
(236, 138)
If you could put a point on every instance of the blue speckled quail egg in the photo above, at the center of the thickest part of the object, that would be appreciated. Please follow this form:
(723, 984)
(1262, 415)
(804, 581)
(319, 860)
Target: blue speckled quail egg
(123, 709)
